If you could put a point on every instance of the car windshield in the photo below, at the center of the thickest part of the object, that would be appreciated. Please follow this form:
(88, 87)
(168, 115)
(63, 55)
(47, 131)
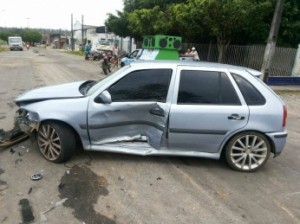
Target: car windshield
(105, 80)
(133, 54)
(14, 40)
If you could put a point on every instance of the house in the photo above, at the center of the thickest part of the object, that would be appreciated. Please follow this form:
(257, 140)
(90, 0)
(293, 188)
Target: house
(59, 41)
(99, 36)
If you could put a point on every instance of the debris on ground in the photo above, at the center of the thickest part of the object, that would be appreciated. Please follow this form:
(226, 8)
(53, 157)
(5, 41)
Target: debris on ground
(61, 185)
(43, 218)
(121, 178)
(11, 137)
(59, 203)
(18, 160)
(26, 211)
(36, 176)
(30, 189)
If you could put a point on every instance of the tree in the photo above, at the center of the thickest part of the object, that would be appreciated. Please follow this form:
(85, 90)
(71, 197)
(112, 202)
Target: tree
(226, 20)
(131, 5)
(118, 24)
(289, 32)
(185, 25)
(4, 35)
(148, 22)
(31, 36)
(223, 21)
(141, 17)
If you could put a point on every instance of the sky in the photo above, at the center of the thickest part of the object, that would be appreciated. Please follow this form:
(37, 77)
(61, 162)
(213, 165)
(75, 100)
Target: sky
(55, 14)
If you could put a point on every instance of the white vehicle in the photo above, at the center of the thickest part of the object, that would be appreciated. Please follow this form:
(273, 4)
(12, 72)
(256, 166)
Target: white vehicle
(15, 43)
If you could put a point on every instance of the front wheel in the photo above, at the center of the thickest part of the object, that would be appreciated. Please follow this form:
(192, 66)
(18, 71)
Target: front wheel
(56, 142)
(247, 151)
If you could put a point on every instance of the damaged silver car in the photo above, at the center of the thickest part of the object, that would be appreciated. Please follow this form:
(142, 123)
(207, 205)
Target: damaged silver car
(160, 108)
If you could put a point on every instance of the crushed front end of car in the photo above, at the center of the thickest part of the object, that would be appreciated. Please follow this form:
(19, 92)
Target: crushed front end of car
(24, 125)
(26, 121)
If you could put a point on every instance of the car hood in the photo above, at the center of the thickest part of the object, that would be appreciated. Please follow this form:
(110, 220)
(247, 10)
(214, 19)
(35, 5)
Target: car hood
(69, 90)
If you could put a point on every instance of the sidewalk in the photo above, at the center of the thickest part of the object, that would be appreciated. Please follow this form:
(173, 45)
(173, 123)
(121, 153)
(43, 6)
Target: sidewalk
(286, 88)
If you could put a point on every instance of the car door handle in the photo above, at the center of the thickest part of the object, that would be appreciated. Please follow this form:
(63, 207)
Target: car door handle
(157, 111)
(236, 117)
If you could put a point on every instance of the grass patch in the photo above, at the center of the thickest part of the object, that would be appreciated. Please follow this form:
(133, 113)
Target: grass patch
(3, 48)
(79, 53)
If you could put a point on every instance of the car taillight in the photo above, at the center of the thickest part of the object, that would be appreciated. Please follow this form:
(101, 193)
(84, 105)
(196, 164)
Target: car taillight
(284, 116)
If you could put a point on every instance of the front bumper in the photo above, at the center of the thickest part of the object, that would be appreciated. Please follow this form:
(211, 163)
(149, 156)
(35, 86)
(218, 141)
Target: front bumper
(11, 137)
(18, 48)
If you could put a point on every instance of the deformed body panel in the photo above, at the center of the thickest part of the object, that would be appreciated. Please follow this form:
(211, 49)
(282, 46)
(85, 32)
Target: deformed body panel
(127, 122)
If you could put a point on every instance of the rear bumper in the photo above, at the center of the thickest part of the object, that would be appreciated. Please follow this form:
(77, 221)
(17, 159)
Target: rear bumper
(279, 140)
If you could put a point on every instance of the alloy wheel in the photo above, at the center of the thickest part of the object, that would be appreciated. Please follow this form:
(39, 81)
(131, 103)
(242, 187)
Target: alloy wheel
(49, 142)
(248, 152)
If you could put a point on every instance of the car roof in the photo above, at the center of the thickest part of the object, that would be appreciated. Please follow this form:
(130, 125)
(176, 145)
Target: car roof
(196, 64)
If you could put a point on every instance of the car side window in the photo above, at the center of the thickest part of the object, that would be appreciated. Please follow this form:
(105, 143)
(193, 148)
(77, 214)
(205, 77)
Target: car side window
(251, 95)
(142, 85)
(206, 87)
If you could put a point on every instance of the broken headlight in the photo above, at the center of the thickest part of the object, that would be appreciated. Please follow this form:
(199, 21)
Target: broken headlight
(26, 121)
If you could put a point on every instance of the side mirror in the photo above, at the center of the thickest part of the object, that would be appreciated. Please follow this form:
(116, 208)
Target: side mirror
(104, 98)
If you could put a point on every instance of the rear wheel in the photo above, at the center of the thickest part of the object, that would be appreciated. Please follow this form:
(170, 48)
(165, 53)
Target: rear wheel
(247, 151)
(56, 142)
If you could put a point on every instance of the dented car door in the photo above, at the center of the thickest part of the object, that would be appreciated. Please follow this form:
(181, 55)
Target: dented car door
(133, 109)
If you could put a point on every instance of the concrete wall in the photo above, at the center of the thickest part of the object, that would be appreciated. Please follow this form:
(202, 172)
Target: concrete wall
(296, 68)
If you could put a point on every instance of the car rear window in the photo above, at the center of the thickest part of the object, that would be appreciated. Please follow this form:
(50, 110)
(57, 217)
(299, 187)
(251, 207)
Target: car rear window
(251, 95)
(206, 87)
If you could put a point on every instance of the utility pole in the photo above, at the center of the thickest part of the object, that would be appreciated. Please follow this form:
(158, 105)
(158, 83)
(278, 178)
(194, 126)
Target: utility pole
(271, 45)
(72, 33)
(28, 24)
(82, 34)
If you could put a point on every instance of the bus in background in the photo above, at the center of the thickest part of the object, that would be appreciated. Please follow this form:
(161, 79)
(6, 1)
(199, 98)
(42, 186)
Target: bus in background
(15, 43)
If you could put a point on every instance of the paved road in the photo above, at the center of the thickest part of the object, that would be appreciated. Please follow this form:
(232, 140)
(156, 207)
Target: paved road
(113, 188)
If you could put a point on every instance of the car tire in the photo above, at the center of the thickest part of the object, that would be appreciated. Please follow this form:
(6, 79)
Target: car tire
(247, 151)
(56, 142)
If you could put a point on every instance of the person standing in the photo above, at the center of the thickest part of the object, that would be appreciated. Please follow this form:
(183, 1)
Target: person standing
(188, 52)
(115, 49)
(87, 50)
(195, 54)
(106, 65)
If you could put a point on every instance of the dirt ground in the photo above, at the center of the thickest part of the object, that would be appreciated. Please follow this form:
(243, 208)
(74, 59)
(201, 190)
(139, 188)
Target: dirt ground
(98, 187)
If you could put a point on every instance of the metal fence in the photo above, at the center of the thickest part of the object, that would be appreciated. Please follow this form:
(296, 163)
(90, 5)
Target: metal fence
(248, 56)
